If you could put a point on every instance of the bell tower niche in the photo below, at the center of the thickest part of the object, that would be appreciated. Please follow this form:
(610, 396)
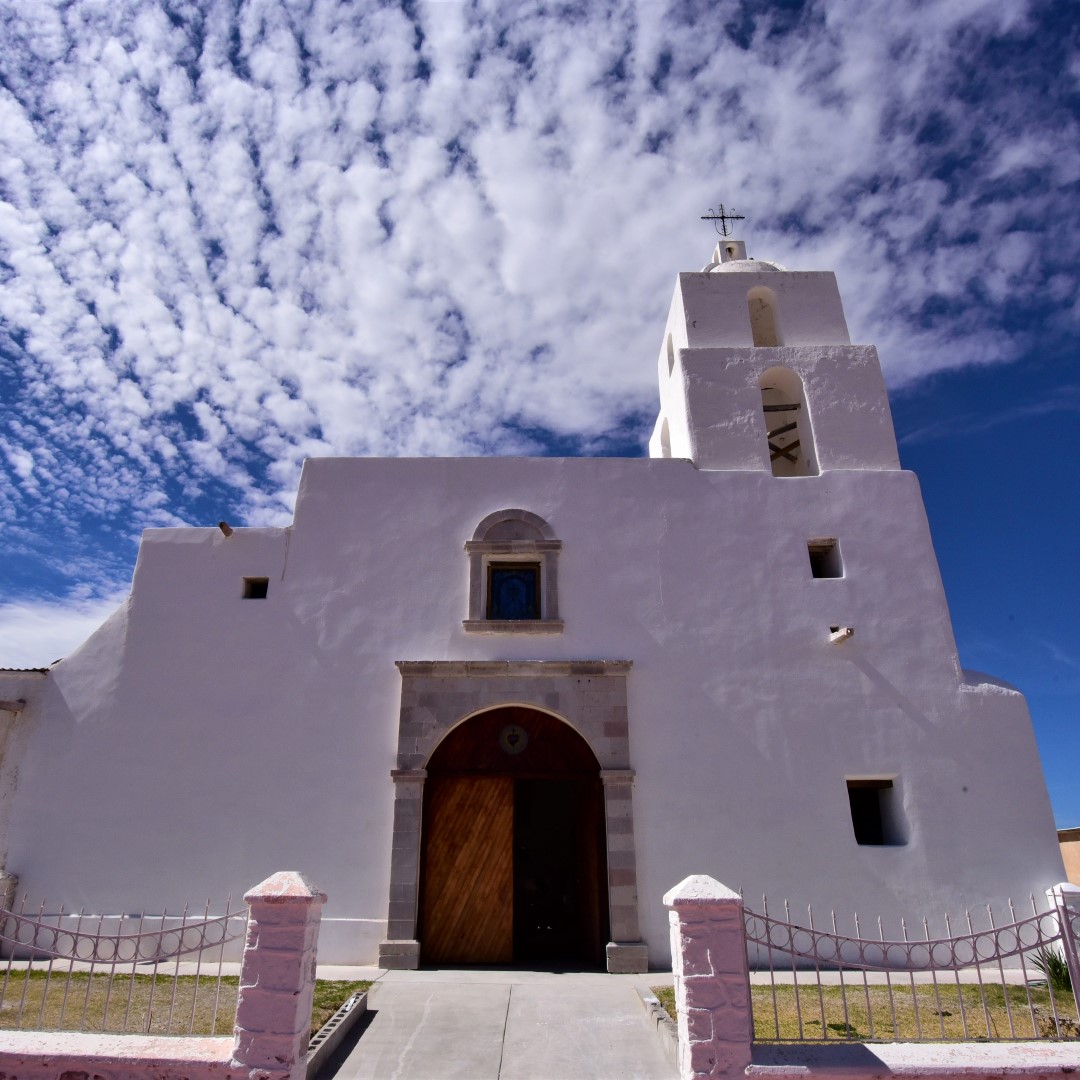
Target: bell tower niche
(757, 373)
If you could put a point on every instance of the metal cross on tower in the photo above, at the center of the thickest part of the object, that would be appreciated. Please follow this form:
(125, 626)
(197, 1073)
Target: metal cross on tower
(722, 219)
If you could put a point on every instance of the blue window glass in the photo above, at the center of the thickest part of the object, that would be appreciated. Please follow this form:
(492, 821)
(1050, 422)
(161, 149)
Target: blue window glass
(514, 591)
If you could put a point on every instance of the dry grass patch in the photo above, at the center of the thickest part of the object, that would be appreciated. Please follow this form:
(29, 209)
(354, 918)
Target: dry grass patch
(154, 1005)
(945, 1012)
(329, 997)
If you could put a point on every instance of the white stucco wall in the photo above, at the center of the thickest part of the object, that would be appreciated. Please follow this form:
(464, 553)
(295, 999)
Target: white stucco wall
(20, 691)
(200, 741)
(713, 402)
(714, 313)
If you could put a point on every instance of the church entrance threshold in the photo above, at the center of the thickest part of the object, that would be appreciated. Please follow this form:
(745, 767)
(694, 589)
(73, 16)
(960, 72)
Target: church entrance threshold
(513, 853)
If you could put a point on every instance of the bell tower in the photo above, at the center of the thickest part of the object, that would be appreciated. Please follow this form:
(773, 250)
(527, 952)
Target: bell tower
(757, 373)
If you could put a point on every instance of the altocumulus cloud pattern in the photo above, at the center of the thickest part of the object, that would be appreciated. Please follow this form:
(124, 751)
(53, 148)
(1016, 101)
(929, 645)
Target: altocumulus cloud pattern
(234, 235)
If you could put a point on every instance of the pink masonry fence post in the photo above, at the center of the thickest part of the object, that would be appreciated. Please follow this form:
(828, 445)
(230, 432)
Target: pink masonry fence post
(277, 978)
(1066, 901)
(712, 979)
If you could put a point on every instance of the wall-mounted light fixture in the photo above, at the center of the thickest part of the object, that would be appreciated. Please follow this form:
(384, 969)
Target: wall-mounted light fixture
(840, 633)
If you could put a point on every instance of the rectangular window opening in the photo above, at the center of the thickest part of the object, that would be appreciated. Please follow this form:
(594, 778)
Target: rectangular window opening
(513, 591)
(875, 813)
(825, 561)
(256, 588)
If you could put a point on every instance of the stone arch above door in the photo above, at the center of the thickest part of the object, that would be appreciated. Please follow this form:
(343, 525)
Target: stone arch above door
(591, 697)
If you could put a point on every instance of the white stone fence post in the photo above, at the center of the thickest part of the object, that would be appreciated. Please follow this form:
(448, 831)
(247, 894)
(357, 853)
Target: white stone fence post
(277, 978)
(712, 979)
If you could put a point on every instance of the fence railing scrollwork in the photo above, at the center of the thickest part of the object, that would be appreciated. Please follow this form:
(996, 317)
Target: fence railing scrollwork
(993, 980)
(119, 973)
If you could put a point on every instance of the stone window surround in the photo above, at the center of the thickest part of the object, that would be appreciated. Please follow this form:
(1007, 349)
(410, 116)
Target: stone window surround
(481, 552)
(591, 697)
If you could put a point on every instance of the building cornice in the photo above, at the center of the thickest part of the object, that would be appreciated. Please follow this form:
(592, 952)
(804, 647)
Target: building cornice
(442, 669)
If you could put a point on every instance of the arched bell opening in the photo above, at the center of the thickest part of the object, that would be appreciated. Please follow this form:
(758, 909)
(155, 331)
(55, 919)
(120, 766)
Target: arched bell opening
(513, 864)
(788, 431)
(764, 321)
(665, 439)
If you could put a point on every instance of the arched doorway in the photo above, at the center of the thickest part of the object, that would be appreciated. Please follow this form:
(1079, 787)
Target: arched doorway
(513, 845)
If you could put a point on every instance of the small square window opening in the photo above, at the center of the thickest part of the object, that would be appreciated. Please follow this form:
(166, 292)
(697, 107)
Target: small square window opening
(875, 813)
(256, 588)
(513, 591)
(825, 561)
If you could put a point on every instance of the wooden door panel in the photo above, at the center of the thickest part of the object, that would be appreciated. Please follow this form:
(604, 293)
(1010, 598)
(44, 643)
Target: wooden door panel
(467, 911)
(559, 872)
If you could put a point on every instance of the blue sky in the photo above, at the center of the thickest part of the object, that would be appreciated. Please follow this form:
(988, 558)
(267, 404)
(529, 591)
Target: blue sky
(235, 235)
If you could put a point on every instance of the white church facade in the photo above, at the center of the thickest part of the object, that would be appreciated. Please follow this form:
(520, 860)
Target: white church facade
(497, 707)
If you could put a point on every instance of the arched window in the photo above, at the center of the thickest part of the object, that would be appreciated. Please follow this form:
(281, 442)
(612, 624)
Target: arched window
(665, 439)
(787, 424)
(670, 355)
(513, 575)
(764, 324)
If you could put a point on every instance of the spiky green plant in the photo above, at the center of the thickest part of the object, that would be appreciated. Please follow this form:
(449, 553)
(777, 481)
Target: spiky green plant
(1052, 964)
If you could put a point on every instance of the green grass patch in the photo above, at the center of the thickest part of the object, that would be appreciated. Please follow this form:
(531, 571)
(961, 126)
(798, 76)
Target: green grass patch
(928, 1013)
(152, 1005)
(666, 996)
(329, 997)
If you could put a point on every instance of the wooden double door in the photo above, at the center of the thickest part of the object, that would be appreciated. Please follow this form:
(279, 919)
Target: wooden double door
(513, 852)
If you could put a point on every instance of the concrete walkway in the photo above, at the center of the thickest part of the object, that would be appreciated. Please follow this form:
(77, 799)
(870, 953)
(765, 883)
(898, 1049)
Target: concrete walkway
(503, 1025)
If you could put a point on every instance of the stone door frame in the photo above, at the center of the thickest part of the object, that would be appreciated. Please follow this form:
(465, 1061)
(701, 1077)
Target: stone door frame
(591, 697)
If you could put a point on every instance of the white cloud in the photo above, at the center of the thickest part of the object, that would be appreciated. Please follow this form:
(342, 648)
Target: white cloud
(232, 240)
(37, 633)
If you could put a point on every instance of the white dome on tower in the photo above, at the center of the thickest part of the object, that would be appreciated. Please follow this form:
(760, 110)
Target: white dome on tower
(743, 266)
(729, 257)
